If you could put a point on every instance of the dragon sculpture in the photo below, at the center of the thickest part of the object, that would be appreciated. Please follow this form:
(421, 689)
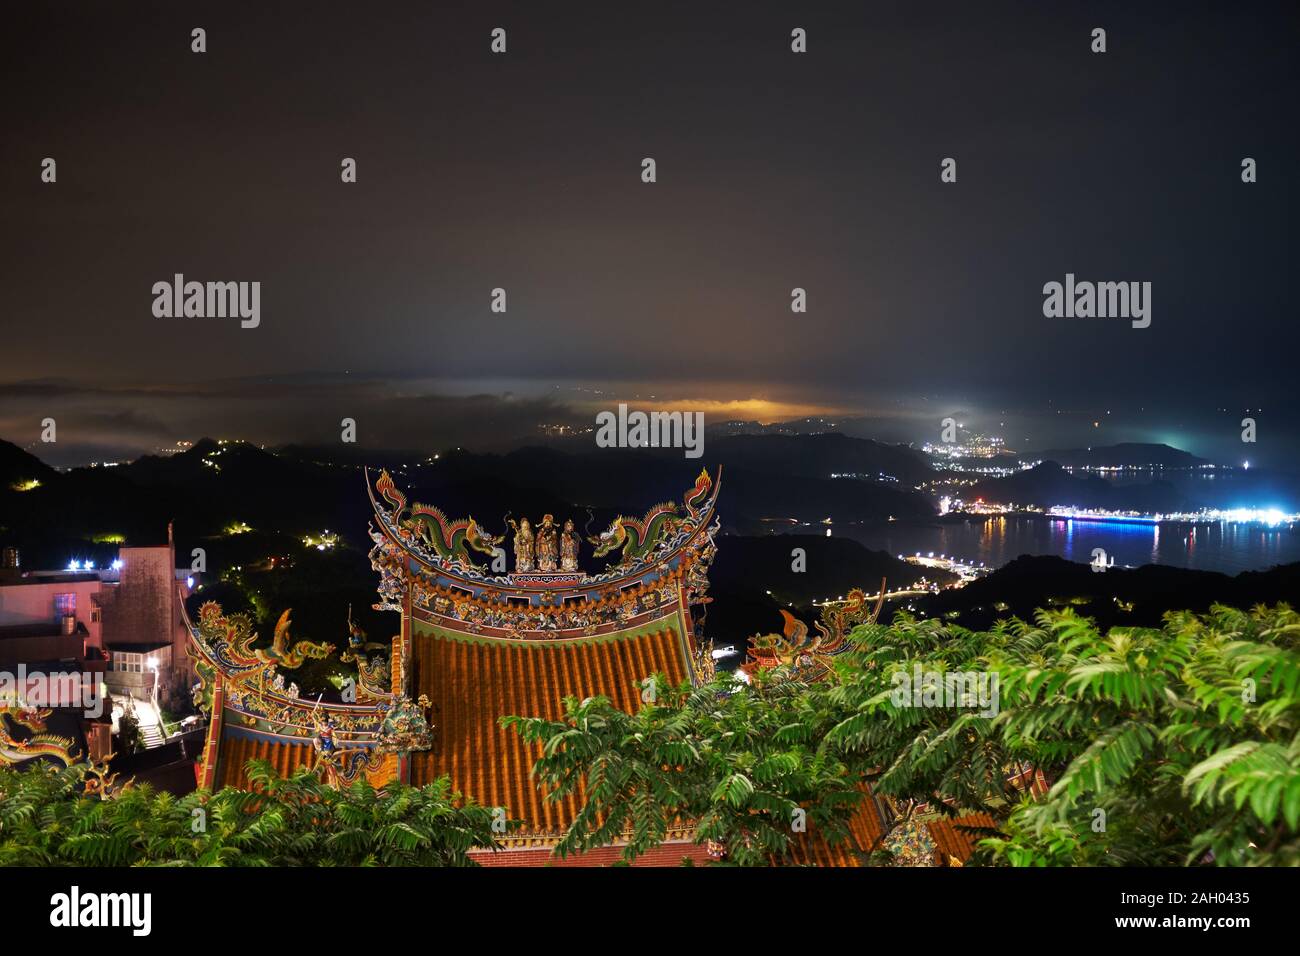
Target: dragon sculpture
(37, 743)
(810, 658)
(637, 537)
(698, 497)
(389, 490)
(450, 540)
(281, 653)
(227, 641)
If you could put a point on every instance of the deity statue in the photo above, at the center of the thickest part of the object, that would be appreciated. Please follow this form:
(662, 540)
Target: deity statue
(523, 545)
(569, 542)
(547, 547)
(324, 741)
(358, 643)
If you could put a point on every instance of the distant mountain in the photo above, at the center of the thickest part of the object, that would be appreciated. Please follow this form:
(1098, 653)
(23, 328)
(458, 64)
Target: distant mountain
(17, 465)
(1048, 485)
(1124, 455)
(818, 456)
(834, 566)
(752, 580)
(769, 476)
(1117, 596)
(215, 485)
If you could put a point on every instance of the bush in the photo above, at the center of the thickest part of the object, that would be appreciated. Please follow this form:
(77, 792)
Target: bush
(48, 819)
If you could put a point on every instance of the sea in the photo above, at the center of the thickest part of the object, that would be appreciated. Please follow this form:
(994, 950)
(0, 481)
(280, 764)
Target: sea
(1227, 547)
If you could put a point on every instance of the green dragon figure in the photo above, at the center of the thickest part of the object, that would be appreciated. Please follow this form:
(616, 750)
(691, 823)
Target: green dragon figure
(38, 743)
(450, 539)
(636, 537)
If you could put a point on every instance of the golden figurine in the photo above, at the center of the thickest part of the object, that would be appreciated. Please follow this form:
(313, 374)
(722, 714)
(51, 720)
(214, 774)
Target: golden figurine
(523, 545)
(569, 542)
(547, 546)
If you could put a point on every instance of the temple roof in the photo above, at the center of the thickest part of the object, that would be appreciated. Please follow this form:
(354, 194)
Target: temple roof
(459, 552)
(472, 683)
(945, 840)
(236, 750)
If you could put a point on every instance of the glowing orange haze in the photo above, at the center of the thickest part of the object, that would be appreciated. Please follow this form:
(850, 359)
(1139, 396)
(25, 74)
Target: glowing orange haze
(762, 410)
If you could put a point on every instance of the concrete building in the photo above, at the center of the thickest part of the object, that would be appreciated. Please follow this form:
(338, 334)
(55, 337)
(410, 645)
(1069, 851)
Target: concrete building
(122, 623)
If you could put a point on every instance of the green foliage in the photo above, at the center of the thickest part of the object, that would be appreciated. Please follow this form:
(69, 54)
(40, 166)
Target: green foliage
(129, 738)
(1174, 746)
(739, 766)
(1177, 745)
(47, 820)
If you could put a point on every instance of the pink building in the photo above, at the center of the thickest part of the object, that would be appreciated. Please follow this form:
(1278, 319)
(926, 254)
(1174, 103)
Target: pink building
(126, 623)
(50, 616)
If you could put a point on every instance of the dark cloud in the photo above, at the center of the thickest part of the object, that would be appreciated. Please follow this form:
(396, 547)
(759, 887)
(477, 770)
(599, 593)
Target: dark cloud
(105, 423)
(775, 171)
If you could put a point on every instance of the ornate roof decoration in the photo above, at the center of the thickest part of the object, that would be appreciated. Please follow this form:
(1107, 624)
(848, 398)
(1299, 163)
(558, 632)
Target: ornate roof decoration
(35, 741)
(243, 691)
(443, 546)
(810, 658)
(661, 564)
(480, 638)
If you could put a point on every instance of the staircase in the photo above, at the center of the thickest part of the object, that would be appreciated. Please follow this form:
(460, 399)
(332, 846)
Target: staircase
(152, 736)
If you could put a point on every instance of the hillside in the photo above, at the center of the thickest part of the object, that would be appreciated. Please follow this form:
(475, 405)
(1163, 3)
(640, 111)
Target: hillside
(1125, 455)
(1117, 596)
(1048, 484)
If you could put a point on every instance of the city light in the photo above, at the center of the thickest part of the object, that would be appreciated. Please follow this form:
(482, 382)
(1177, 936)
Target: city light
(322, 542)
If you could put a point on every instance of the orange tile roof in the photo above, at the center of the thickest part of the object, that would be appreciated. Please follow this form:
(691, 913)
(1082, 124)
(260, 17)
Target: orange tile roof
(869, 824)
(473, 682)
(866, 827)
(951, 837)
(236, 751)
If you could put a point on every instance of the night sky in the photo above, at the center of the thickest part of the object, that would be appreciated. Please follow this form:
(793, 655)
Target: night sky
(775, 170)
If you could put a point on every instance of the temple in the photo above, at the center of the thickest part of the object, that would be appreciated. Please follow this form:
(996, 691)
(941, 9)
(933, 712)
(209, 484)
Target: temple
(480, 638)
(489, 631)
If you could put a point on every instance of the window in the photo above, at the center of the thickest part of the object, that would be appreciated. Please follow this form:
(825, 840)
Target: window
(94, 616)
(129, 663)
(65, 604)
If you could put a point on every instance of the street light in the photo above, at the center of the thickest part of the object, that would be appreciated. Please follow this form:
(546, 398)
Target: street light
(153, 666)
